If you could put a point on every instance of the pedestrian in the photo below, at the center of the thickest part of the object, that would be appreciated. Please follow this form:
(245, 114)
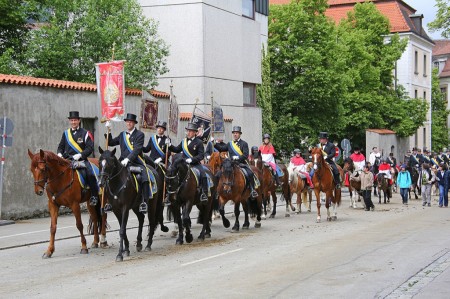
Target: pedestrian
(404, 182)
(442, 177)
(428, 179)
(366, 178)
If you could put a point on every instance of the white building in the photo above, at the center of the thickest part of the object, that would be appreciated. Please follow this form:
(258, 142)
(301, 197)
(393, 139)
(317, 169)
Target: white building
(215, 48)
(441, 60)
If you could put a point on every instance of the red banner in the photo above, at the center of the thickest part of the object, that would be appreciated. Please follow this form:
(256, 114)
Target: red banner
(111, 89)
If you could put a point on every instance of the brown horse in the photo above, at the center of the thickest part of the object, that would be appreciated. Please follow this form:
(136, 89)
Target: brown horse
(349, 168)
(232, 186)
(298, 185)
(323, 182)
(55, 176)
(383, 185)
(214, 164)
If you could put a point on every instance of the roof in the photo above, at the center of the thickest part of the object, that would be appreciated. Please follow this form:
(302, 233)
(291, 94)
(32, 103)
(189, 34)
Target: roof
(445, 73)
(188, 116)
(381, 131)
(32, 81)
(442, 47)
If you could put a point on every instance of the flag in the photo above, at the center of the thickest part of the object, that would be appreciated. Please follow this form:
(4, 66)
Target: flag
(111, 89)
(173, 117)
(217, 115)
(203, 121)
(149, 111)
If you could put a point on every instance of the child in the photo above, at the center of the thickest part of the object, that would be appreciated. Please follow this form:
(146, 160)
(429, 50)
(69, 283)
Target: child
(404, 182)
(366, 178)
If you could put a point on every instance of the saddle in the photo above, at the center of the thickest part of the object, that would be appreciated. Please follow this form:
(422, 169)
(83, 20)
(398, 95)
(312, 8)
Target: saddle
(81, 169)
(136, 172)
(197, 175)
(247, 173)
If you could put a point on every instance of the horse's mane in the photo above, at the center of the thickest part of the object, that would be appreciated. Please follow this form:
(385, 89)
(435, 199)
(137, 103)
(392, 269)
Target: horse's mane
(51, 156)
(348, 160)
(227, 166)
(176, 160)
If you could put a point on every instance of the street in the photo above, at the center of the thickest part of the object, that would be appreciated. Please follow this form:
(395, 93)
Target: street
(394, 252)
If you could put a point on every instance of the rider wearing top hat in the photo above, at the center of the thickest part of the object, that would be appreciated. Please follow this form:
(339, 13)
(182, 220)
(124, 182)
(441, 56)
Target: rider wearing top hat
(131, 144)
(77, 144)
(193, 151)
(238, 151)
(157, 144)
(413, 160)
(268, 156)
(330, 151)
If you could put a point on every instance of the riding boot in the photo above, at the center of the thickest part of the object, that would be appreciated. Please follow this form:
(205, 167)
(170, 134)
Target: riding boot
(337, 181)
(204, 194)
(107, 208)
(92, 182)
(277, 180)
(143, 207)
(253, 192)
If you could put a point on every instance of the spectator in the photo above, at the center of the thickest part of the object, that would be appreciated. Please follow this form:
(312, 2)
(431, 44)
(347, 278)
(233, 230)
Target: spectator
(366, 178)
(428, 179)
(404, 182)
(442, 177)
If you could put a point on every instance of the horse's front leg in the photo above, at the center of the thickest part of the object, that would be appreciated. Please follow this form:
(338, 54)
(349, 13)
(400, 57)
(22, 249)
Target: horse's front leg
(265, 201)
(77, 213)
(53, 209)
(225, 221)
(124, 244)
(141, 219)
(103, 241)
(328, 200)
(177, 219)
(317, 193)
(274, 199)
(187, 221)
(379, 195)
(236, 215)
(153, 216)
(245, 208)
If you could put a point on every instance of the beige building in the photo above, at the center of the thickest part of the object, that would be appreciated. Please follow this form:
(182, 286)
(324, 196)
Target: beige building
(441, 61)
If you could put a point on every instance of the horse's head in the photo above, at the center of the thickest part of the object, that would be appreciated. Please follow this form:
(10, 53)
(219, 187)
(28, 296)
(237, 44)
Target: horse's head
(227, 174)
(317, 157)
(348, 165)
(41, 166)
(174, 173)
(215, 162)
(108, 165)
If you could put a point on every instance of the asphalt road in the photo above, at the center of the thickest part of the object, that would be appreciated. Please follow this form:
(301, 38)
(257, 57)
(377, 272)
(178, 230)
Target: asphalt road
(394, 252)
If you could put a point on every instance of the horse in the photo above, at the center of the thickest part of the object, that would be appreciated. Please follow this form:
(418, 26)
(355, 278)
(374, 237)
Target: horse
(414, 182)
(182, 186)
(324, 182)
(299, 186)
(56, 177)
(349, 168)
(123, 192)
(233, 186)
(394, 174)
(383, 185)
(214, 164)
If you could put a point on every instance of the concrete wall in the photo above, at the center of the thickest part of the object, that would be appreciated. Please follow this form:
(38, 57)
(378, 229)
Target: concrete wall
(40, 117)
(384, 142)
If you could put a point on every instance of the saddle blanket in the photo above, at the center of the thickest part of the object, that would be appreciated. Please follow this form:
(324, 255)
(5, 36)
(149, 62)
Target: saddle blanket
(279, 172)
(257, 183)
(82, 174)
(196, 173)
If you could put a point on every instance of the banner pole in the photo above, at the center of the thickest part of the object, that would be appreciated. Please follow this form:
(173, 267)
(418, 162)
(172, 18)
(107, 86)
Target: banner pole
(169, 122)
(212, 115)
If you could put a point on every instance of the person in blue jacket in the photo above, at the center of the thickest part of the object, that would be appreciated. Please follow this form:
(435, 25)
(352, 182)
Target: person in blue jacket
(404, 183)
(443, 176)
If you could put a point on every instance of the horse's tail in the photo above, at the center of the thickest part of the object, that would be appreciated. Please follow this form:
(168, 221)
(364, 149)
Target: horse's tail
(338, 196)
(253, 206)
(98, 213)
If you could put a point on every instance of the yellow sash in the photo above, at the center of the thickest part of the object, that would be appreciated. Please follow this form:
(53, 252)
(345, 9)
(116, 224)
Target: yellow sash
(73, 143)
(236, 148)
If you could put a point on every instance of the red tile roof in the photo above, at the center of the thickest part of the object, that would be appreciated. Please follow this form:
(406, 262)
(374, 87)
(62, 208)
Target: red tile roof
(442, 47)
(188, 116)
(32, 81)
(445, 73)
(381, 131)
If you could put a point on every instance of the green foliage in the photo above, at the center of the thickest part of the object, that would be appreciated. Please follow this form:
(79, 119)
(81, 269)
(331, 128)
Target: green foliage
(264, 94)
(442, 21)
(80, 33)
(439, 115)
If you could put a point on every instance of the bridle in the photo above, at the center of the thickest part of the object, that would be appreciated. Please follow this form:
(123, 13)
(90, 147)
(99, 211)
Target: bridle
(176, 176)
(108, 177)
(47, 180)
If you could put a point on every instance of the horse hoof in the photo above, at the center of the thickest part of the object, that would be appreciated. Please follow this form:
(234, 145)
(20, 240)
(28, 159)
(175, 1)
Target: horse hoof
(94, 245)
(287, 215)
(309, 210)
(318, 220)
(293, 209)
(298, 212)
(272, 216)
(138, 248)
(119, 258)
(235, 229)
(245, 226)
(263, 217)
(127, 252)
(147, 249)
(201, 238)
(179, 242)
(334, 218)
(84, 251)
(164, 229)
(257, 224)
(46, 255)
(328, 218)
(189, 238)
(174, 234)
(207, 236)
(103, 244)
(226, 222)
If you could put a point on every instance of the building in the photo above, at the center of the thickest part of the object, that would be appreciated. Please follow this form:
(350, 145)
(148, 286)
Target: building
(441, 61)
(215, 51)
(413, 69)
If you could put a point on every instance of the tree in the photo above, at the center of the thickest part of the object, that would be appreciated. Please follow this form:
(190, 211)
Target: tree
(439, 115)
(264, 94)
(80, 33)
(442, 21)
(306, 69)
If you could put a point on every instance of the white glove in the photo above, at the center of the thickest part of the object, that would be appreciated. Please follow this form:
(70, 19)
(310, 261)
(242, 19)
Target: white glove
(188, 160)
(417, 165)
(157, 161)
(108, 124)
(235, 157)
(76, 157)
(125, 162)
(208, 157)
(212, 138)
(60, 155)
(168, 141)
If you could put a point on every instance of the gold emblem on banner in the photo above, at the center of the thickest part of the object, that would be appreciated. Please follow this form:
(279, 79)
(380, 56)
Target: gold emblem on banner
(111, 93)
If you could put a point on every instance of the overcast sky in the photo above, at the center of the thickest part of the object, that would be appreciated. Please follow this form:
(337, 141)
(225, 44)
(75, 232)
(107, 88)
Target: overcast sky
(425, 7)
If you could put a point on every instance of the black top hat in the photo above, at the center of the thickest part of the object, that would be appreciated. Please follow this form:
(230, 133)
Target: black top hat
(192, 127)
(236, 129)
(74, 114)
(414, 148)
(323, 135)
(131, 117)
(162, 124)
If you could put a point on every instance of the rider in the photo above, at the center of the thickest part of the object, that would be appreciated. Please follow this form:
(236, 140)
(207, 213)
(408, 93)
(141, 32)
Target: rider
(358, 159)
(238, 150)
(386, 169)
(131, 144)
(330, 151)
(193, 151)
(157, 144)
(268, 156)
(77, 144)
(392, 160)
(374, 158)
(209, 149)
(425, 157)
(413, 159)
(297, 163)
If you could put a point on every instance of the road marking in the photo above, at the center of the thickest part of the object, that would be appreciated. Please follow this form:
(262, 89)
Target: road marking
(211, 257)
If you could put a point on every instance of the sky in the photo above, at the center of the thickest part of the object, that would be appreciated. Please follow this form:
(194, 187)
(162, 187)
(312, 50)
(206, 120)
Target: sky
(425, 7)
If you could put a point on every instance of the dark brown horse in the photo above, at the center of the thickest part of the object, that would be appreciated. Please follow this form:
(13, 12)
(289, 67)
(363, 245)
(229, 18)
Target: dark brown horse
(353, 186)
(233, 186)
(182, 186)
(55, 176)
(383, 185)
(123, 192)
(323, 182)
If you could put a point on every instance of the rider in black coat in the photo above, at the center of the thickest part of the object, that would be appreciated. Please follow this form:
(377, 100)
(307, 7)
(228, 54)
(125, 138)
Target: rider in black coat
(330, 149)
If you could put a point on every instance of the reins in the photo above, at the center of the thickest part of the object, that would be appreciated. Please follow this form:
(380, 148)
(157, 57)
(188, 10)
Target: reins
(47, 180)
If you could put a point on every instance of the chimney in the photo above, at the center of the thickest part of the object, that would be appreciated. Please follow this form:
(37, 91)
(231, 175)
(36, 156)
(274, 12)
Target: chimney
(417, 21)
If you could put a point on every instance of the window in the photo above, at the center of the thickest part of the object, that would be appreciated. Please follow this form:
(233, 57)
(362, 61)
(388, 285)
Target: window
(424, 65)
(415, 94)
(416, 62)
(262, 7)
(249, 94)
(444, 94)
(424, 137)
(248, 8)
(425, 95)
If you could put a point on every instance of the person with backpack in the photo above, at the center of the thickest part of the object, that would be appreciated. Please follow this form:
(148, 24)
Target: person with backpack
(404, 183)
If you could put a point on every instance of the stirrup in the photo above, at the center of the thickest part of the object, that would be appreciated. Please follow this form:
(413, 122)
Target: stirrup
(107, 208)
(338, 186)
(203, 197)
(167, 201)
(143, 207)
(254, 194)
(93, 201)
